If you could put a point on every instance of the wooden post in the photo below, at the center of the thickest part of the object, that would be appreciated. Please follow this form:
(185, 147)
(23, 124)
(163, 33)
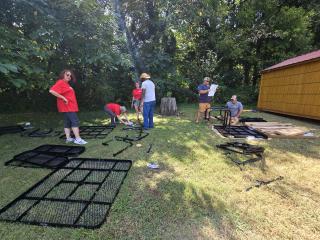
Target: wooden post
(168, 106)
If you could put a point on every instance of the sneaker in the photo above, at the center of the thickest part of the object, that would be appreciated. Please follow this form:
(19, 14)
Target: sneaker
(153, 165)
(69, 140)
(80, 141)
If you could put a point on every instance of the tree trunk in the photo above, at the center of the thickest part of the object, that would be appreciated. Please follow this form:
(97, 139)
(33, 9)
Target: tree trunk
(246, 72)
(256, 68)
(133, 49)
(168, 106)
(255, 75)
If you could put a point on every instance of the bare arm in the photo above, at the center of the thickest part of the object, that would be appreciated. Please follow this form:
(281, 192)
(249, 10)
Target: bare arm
(58, 96)
(126, 117)
(239, 113)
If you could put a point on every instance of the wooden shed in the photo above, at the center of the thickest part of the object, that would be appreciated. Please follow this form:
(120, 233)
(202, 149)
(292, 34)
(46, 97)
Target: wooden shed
(292, 87)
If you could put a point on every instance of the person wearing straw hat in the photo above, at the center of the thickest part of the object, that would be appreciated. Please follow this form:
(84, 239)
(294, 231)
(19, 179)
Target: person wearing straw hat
(148, 100)
(235, 108)
(114, 111)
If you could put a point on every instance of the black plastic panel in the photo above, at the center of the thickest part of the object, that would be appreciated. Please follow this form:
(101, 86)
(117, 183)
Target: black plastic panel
(11, 129)
(46, 156)
(90, 132)
(78, 194)
(239, 132)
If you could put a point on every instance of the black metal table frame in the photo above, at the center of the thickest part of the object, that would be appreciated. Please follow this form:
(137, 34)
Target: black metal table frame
(245, 149)
(127, 139)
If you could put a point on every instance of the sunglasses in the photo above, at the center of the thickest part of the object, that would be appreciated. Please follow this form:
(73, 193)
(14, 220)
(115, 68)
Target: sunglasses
(68, 74)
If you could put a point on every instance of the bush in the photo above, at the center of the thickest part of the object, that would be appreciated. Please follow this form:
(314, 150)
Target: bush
(246, 95)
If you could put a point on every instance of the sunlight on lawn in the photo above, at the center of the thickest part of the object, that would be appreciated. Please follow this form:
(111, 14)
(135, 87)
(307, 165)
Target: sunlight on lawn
(197, 193)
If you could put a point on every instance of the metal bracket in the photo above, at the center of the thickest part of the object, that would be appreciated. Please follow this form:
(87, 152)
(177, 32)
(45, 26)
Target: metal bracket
(259, 183)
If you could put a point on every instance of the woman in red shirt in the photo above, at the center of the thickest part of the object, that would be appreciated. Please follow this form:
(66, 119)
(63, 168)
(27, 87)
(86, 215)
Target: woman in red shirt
(67, 104)
(136, 99)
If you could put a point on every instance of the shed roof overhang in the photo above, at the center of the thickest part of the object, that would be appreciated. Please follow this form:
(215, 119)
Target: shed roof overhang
(308, 57)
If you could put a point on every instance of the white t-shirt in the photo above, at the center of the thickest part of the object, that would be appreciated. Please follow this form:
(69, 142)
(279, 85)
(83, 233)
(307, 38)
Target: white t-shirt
(150, 94)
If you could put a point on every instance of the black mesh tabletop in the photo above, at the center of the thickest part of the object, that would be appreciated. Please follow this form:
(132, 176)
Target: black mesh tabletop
(90, 132)
(46, 156)
(78, 194)
(11, 129)
(239, 132)
(36, 159)
(60, 150)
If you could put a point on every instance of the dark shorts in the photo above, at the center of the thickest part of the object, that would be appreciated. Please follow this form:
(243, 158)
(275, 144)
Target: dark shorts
(136, 103)
(71, 120)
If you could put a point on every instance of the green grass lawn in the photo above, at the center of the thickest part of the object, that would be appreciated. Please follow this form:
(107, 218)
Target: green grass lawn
(197, 193)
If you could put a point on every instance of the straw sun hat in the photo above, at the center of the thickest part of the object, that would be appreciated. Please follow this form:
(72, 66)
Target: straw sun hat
(145, 76)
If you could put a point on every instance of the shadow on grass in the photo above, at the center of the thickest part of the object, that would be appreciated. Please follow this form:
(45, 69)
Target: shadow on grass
(172, 136)
(303, 147)
(163, 204)
(164, 207)
(290, 191)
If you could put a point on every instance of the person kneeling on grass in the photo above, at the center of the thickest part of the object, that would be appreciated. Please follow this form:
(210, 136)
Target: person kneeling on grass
(67, 104)
(235, 108)
(114, 111)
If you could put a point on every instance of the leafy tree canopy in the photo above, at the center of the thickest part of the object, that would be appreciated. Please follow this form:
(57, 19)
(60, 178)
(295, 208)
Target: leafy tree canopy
(109, 43)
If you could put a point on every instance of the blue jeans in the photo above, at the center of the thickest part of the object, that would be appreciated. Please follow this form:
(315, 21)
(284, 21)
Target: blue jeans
(148, 109)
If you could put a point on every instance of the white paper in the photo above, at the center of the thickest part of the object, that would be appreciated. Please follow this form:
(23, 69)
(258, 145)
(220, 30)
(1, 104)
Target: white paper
(212, 90)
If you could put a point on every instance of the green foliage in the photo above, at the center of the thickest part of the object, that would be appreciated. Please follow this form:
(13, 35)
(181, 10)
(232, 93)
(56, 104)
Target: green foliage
(197, 193)
(38, 40)
(18, 83)
(108, 43)
(7, 68)
(247, 95)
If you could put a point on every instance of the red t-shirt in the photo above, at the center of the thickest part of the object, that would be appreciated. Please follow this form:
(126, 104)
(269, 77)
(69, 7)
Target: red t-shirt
(114, 108)
(64, 89)
(137, 93)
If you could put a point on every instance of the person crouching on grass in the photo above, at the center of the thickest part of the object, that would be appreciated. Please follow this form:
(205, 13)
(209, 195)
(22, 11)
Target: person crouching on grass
(114, 111)
(136, 99)
(67, 104)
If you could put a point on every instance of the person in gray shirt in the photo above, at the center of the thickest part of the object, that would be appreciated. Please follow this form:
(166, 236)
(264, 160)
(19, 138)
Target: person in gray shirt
(148, 100)
(235, 108)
